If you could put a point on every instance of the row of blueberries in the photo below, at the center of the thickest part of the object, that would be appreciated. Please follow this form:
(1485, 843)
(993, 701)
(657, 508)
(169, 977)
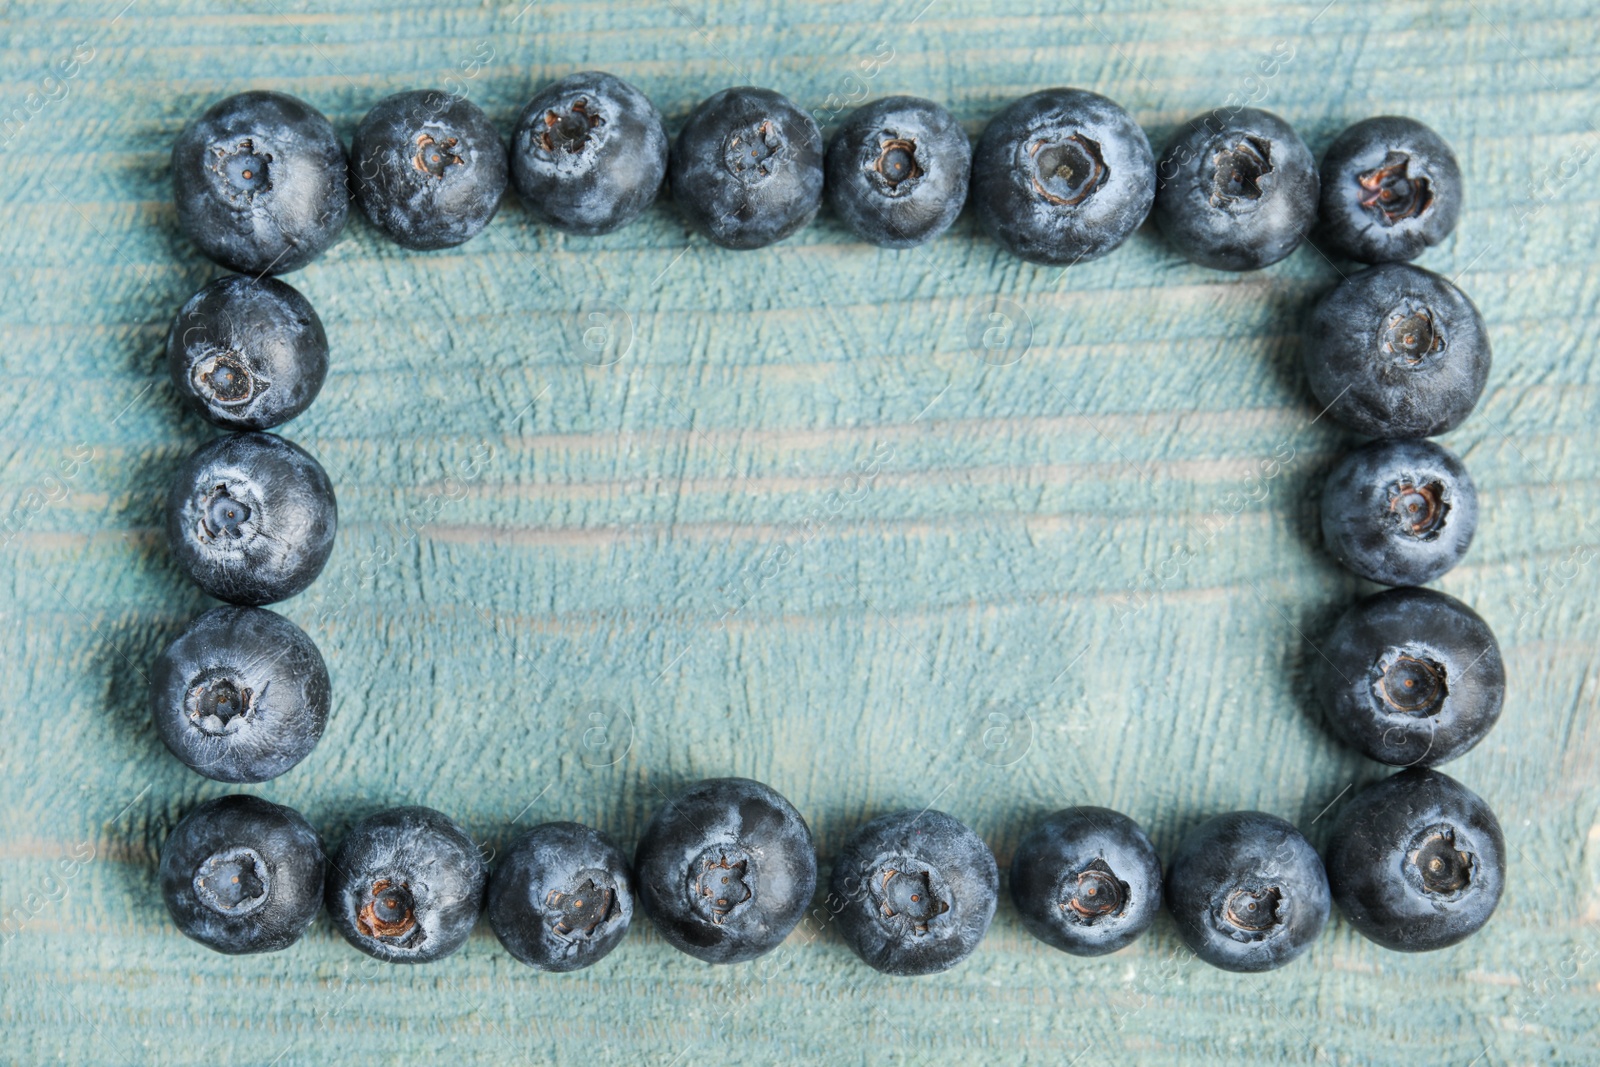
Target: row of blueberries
(1411, 676)
(727, 869)
(1061, 176)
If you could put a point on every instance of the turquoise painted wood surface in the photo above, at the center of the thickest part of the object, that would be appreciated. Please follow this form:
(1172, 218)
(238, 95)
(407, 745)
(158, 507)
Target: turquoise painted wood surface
(622, 512)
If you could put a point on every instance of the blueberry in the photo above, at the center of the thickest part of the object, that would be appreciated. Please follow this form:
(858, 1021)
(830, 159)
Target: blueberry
(1063, 175)
(1397, 351)
(251, 518)
(726, 869)
(1247, 891)
(406, 885)
(1410, 676)
(247, 353)
(1417, 861)
(241, 874)
(261, 183)
(1236, 189)
(897, 171)
(589, 153)
(747, 168)
(429, 168)
(1399, 512)
(241, 695)
(916, 891)
(1390, 188)
(561, 898)
(1086, 881)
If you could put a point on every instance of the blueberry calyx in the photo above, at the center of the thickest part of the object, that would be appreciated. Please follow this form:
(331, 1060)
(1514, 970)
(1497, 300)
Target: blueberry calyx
(1419, 509)
(389, 914)
(224, 515)
(434, 156)
(1093, 893)
(1410, 335)
(1251, 914)
(1239, 169)
(1389, 193)
(1437, 864)
(217, 704)
(1067, 172)
(753, 153)
(584, 906)
(569, 131)
(1411, 685)
(910, 897)
(720, 886)
(896, 167)
(246, 171)
(233, 882)
(224, 379)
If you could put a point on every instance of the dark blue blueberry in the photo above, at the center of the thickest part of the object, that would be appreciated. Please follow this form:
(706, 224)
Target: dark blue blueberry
(429, 168)
(1063, 175)
(261, 183)
(241, 874)
(915, 892)
(1397, 351)
(897, 171)
(725, 870)
(1390, 188)
(589, 153)
(406, 885)
(1086, 881)
(1247, 891)
(241, 695)
(1236, 189)
(1399, 512)
(1410, 676)
(747, 168)
(1417, 861)
(561, 898)
(251, 518)
(247, 353)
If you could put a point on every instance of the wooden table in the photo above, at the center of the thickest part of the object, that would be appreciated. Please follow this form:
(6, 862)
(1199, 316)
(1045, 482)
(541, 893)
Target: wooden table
(620, 513)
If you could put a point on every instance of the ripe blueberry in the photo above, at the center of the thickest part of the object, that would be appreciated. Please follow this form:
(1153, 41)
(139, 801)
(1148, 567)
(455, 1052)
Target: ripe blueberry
(251, 518)
(747, 168)
(261, 183)
(406, 885)
(917, 891)
(1399, 512)
(1086, 881)
(1236, 189)
(897, 171)
(1397, 351)
(241, 695)
(429, 168)
(1417, 861)
(1390, 188)
(1247, 891)
(726, 869)
(1063, 175)
(247, 353)
(561, 898)
(1410, 676)
(589, 153)
(241, 874)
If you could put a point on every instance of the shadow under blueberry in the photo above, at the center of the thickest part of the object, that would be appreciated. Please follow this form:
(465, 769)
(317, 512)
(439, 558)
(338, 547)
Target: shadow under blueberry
(1315, 621)
(1288, 302)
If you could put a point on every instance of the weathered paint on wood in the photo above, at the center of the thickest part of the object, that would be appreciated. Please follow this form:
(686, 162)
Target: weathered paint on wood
(622, 512)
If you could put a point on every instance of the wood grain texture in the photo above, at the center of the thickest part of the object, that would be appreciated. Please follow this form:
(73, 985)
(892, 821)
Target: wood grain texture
(781, 518)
